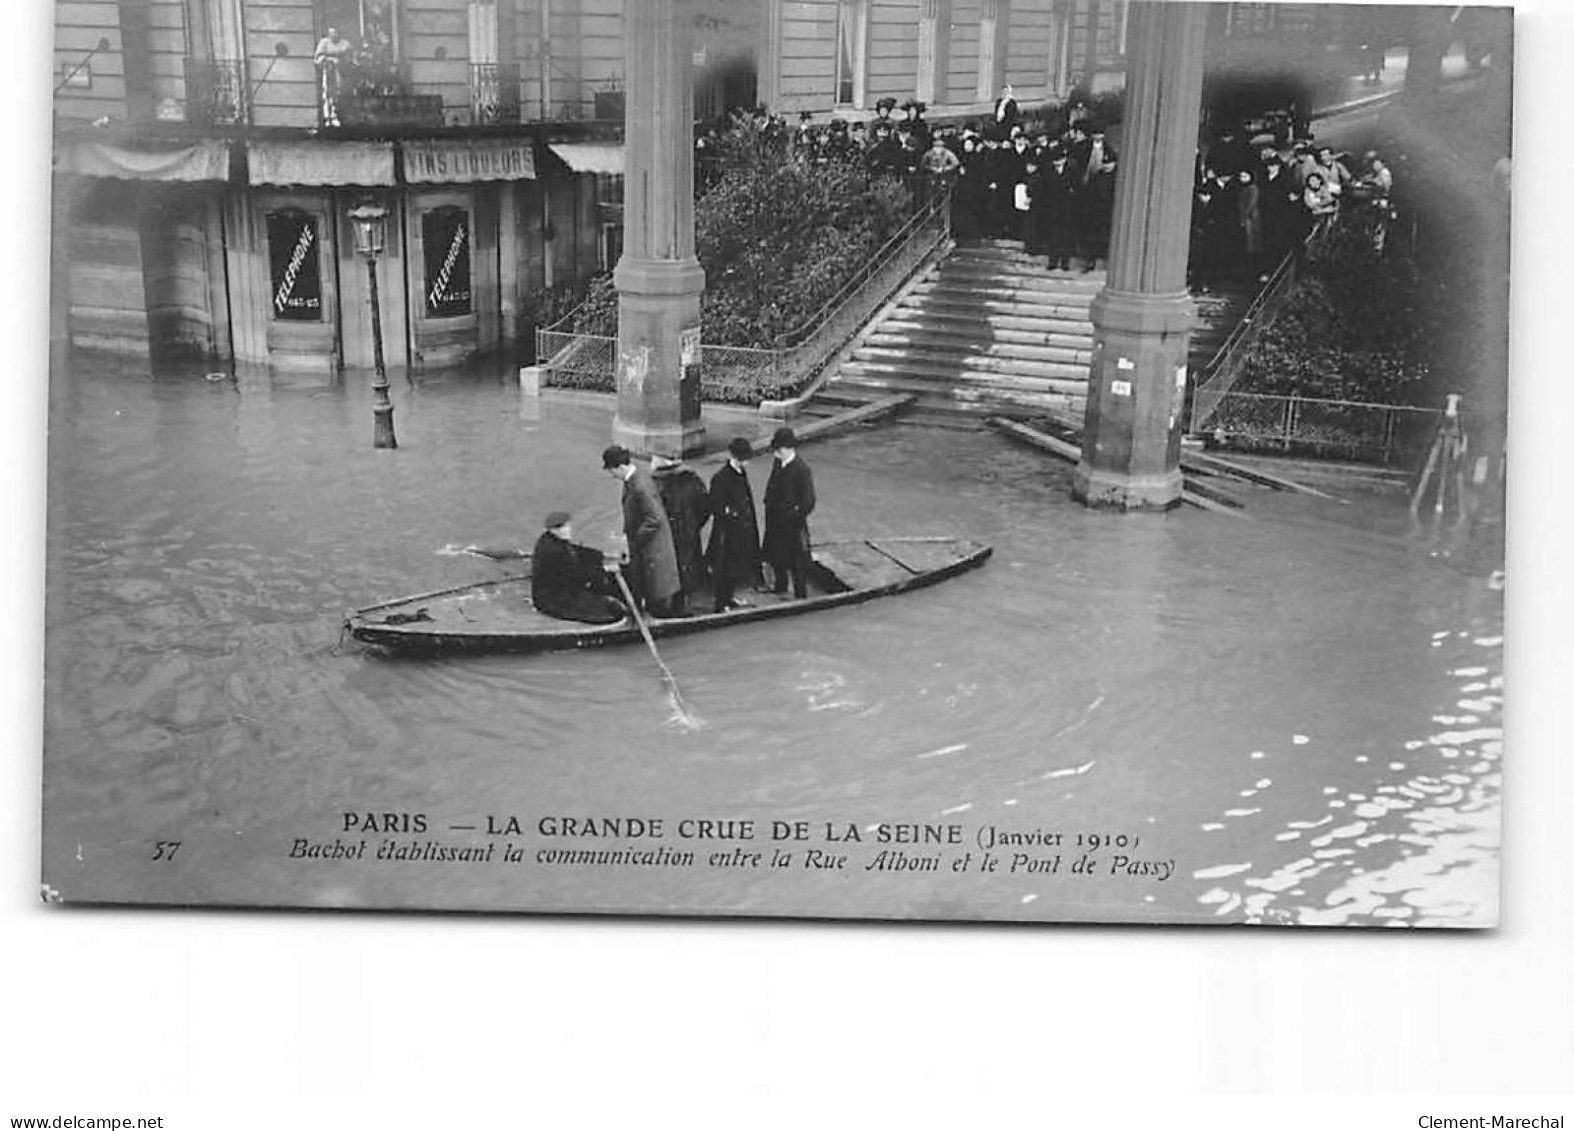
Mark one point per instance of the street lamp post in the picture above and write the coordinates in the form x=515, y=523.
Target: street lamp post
x=369, y=220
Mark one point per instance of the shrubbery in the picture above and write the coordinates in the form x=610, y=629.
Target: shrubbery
x=1357, y=327
x=777, y=240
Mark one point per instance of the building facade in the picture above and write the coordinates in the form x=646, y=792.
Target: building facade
x=208, y=151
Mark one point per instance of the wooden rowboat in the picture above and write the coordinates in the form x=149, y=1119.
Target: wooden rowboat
x=497, y=616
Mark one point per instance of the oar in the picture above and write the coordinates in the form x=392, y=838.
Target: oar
x=650, y=642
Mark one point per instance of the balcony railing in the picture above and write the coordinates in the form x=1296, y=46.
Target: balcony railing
x=216, y=92
x=354, y=92
x=494, y=93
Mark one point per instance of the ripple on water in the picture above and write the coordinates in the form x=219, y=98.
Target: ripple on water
x=1219, y=871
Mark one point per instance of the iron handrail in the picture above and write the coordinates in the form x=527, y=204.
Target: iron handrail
x=882, y=256
x=1221, y=369
x=805, y=329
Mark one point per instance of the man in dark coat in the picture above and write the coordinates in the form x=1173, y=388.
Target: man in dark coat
x=789, y=500
x=688, y=510
x=1096, y=205
x=653, y=563
x=568, y=580
x=1057, y=204
x=734, y=551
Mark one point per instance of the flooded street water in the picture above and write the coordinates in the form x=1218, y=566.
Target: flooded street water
x=1290, y=718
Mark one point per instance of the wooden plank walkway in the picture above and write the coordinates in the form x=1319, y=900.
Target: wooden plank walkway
x=1208, y=499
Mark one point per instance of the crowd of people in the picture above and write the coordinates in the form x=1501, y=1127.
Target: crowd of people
x=1253, y=203
x=1051, y=187
x=668, y=564
x=1050, y=182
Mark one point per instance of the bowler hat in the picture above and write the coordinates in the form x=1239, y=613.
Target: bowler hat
x=614, y=456
x=740, y=448
x=557, y=519
x=784, y=438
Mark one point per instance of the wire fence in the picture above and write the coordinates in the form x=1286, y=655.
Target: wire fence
x=1393, y=435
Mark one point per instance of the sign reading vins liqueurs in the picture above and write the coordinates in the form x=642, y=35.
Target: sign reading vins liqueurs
x=446, y=237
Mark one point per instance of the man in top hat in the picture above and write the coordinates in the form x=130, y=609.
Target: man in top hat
x=734, y=550
x=688, y=510
x=789, y=500
x=653, y=563
x=570, y=581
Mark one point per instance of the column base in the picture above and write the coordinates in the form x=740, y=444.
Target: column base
x=1109, y=490
x=668, y=440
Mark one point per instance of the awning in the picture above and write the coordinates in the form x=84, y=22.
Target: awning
x=321, y=163
x=590, y=156
x=185, y=161
x=450, y=162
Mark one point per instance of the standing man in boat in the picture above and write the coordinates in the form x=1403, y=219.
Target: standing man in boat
x=789, y=500
x=570, y=581
x=734, y=551
x=687, y=504
x=653, y=563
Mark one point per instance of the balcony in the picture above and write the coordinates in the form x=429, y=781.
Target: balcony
x=216, y=92
x=381, y=95
x=494, y=93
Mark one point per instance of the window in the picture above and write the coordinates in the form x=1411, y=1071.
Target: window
x=295, y=266
x=371, y=26
x=852, y=48
x=445, y=236
x=609, y=217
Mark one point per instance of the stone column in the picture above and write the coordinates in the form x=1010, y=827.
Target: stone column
x=1143, y=316
x=659, y=280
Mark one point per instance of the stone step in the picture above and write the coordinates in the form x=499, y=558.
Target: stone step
x=841, y=399
x=981, y=307
x=1036, y=275
x=952, y=347
x=979, y=400
x=1033, y=288
x=1023, y=330
x=916, y=376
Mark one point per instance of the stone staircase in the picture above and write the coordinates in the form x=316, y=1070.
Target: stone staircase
x=989, y=331
x=986, y=331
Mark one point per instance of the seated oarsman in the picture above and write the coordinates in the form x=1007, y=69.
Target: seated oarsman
x=570, y=581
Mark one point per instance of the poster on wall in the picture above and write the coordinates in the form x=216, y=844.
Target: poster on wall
x=446, y=237
x=294, y=264
x=930, y=622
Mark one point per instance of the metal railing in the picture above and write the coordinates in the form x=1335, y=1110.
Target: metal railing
x=382, y=94
x=494, y=93
x=1378, y=433
x=746, y=374
x=1225, y=366
x=215, y=92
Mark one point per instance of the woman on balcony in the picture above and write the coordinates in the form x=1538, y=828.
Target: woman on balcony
x=332, y=50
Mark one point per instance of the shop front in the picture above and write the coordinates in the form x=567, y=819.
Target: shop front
x=462, y=215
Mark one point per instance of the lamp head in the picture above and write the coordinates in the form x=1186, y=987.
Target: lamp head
x=369, y=221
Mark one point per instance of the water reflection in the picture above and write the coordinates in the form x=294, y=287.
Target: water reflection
x=1418, y=847
x=1302, y=710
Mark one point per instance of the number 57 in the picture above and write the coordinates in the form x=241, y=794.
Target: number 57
x=165, y=849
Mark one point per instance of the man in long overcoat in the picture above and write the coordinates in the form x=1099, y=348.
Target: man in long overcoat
x=687, y=504
x=1056, y=202
x=653, y=563
x=789, y=500
x=734, y=551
